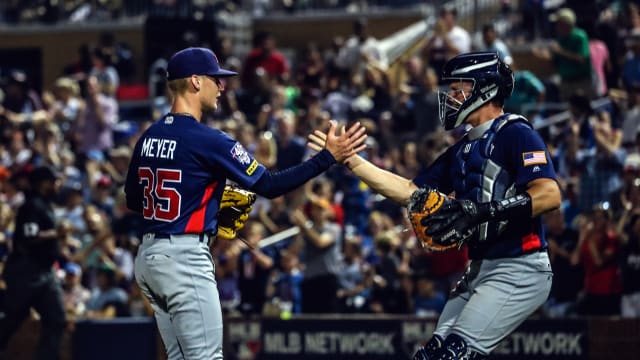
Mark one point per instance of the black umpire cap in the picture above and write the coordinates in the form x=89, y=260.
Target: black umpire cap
x=43, y=173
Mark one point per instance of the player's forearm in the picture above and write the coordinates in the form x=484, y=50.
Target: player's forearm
x=545, y=196
x=272, y=185
x=386, y=183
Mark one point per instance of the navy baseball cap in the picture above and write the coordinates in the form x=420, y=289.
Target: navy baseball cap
x=195, y=61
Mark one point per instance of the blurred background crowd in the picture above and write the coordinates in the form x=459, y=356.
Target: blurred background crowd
x=366, y=256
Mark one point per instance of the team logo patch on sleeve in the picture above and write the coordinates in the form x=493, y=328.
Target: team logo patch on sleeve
x=534, y=158
x=240, y=154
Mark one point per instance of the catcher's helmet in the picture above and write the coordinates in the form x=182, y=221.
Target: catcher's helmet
x=492, y=80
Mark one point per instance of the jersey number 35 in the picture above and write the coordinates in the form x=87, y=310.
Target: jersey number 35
x=161, y=200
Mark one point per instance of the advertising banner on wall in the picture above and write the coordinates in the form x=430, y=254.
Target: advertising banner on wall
x=392, y=338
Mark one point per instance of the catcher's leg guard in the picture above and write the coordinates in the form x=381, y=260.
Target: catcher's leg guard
x=428, y=351
x=454, y=348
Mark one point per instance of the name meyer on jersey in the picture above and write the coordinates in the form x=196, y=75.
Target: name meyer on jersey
x=158, y=148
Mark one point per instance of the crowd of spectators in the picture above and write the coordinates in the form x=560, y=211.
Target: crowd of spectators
x=355, y=251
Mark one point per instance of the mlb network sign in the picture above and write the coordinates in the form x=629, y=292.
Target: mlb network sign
x=391, y=338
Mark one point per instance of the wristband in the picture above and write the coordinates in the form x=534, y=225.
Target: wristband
x=515, y=207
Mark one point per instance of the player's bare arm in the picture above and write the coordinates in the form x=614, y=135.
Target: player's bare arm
x=386, y=183
x=545, y=196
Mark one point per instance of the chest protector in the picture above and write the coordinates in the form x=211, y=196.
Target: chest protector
x=478, y=177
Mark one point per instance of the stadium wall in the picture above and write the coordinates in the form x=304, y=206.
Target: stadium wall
x=341, y=337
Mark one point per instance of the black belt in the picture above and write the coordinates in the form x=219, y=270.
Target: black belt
x=203, y=237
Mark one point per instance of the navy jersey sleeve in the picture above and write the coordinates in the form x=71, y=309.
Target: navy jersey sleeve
x=132, y=191
x=223, y=153
x=438, y=175
x=525, y=154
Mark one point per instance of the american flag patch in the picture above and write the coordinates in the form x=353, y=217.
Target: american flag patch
x=534, y=157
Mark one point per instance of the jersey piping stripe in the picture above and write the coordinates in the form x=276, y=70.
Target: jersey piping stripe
x=531, y=242
x=196, y=221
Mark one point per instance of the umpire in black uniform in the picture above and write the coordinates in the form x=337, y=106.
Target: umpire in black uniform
x=28, y=272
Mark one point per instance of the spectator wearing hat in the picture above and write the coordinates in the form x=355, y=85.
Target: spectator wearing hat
x=30, y=281
x=570, y=54
x=101, y=195
x=75, y=295
x=21, y=103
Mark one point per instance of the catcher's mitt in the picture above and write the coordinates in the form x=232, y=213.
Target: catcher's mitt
x=235, y=206
x=424, y=204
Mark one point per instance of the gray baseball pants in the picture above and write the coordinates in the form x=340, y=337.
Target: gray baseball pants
x=176, y=274
x=494, y=297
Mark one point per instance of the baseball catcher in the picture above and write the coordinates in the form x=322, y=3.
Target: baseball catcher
x=235, y=206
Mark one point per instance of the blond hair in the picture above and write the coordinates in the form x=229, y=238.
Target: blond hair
x=178, y=86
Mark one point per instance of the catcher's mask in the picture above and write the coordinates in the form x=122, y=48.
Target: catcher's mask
x=481, y=77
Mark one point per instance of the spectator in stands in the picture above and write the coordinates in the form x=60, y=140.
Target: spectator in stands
x=600, y=60
x=428, y=299
x=101, y=195
x=528, y=92
x=629, y=108
x=68, y=105
x=69, y=243
x=284, y=289
x=354, y=278
x=104, y=72
x=79, y=67
x=600, y=167
x=107, y=299
x=291, y=148
x=254, y=267
x=491, y=42
x=359, y=50
x=93, y=131
x=266, y=152
x=567, y=276
x=631, y=66
x=598, y=249
x=630, y=264
x=387, y=294
x=264, y=57
x=138, y=305
x=75, y=295
x=226, y=260
x=21, y=103
x=447, y=40
x=570, y=55
x=322, y=255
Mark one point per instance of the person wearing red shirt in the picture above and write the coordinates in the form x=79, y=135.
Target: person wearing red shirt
x=597, y=250
x=264, y=58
